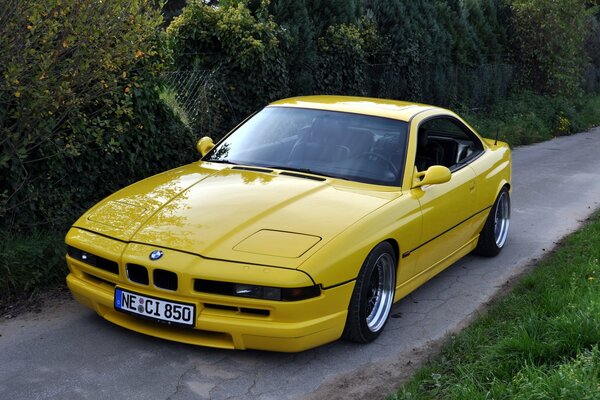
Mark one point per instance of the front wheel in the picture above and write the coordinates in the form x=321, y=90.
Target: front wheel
x=373, y=295
x=495, y=231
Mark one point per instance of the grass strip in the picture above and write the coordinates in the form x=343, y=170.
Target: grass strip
x=540, y=341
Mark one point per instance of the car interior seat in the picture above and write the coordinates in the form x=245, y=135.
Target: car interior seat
x=322, y=142
x=429, y=152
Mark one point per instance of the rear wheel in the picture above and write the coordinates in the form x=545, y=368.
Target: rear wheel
x=373, y=295
x=495, y=231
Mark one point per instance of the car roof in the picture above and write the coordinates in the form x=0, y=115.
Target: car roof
x=401, y=110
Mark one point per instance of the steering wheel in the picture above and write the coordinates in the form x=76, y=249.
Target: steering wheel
x=379, y=157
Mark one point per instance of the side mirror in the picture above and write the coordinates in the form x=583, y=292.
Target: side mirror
x=204, y=145
x=434, y=175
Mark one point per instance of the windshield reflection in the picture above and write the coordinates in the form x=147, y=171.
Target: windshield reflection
x=333, y=144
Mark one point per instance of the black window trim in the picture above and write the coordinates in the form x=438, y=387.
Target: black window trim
x=469, y=132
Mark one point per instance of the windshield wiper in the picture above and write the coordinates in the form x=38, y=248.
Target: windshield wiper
x=224, y=161
x=306, y=171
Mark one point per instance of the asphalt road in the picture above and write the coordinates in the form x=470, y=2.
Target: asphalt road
x=67, y=352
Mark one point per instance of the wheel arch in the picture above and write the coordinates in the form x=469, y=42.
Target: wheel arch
x=503, y=183
x=396, y=248
x=370, y=304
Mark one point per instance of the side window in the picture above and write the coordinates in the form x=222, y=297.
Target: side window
x=445, y=141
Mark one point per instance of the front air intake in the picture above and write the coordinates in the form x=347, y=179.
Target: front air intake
x=138, y=274
x=165, y=279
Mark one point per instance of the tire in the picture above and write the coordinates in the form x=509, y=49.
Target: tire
x=373, y=295
x=495, y=231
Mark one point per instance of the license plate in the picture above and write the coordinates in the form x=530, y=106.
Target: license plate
x=157, y=309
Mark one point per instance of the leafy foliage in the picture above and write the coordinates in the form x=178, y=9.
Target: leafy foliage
x=30, y=263
x=245, y=48
x=548, y=41
x=299, y=43
x=79, y=107
x=446, y=52
x=343, y=54
x=440, y=52
x=325, y=13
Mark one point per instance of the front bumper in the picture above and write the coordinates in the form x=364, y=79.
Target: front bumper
x=221, y=321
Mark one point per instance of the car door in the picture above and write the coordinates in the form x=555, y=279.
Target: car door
x=446, y=208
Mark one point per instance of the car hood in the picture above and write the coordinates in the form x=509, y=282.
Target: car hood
x=236, y=214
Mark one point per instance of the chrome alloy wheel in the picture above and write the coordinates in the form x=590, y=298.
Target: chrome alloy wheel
x=502, y=219
x=380, y=292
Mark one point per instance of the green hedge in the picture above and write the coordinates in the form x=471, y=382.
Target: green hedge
x=471, y=53
x=245, y=50
x=344, y=51
x=549, y=43
x=80, y=113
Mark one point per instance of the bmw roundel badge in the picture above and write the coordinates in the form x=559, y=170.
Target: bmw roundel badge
x=156, y=254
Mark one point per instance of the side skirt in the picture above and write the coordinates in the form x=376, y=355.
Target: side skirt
x=410, y=285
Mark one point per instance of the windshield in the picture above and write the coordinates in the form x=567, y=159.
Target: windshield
x=336, y=144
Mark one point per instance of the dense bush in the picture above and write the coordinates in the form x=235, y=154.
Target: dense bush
x=344, y=51
x=79, y=109
x=325, y=13
x=30, y=263
x=548, y=42
x=299, y=43
x=243, y=47
x=446, y=52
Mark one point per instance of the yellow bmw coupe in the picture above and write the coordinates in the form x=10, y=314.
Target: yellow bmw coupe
x=303, y=225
